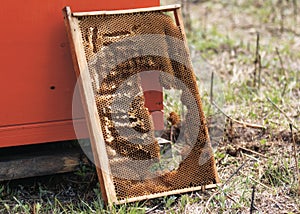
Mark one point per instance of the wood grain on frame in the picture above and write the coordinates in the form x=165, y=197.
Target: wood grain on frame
x=90, y=108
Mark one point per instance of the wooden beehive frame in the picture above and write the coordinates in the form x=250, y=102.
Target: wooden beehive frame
x=90, y=107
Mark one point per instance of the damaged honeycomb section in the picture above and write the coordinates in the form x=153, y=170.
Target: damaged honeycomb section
x=118, y=48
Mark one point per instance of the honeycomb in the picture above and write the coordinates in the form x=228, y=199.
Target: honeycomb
x=118, y=48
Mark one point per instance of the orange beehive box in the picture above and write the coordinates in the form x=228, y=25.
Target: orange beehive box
x=37, y=78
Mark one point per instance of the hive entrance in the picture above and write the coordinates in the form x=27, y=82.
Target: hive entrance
x=114, y=54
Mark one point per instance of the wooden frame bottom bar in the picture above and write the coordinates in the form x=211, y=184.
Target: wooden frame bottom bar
x=173, y=192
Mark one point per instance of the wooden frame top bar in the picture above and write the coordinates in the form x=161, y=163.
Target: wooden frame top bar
x=108, y=12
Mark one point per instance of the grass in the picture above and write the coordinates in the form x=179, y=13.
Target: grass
x=223, y=41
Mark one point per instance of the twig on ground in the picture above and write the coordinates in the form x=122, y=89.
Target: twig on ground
x=257, y=63
x=153, y=208
x=255, y=126
x=277, y=204
x=284, y=89
x=253, y=152
x=197, y=194
x=221, y=188
x=295, y=158
x=212, y=87
x=228, y=196
x=295, y=12
x=211, y=91
x=283, y=70
x=236, y=171
x=250, y=156
x=252, y=200
x=210, y=198
x=281, y=7
x=286, y=116
x=260, y=183
x=205, y=18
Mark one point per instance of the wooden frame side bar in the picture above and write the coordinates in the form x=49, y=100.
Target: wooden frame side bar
x=90, y=108
x=149, y=9
x=180, y=23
